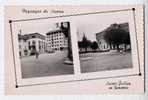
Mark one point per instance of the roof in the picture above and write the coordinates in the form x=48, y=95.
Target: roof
x=31, y=35
x=54, y=31
x=35, y=34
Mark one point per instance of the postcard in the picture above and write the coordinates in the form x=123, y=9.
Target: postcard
x=78, y=45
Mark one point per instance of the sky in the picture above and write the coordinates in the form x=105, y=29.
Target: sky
x=88, y=24
x=90, y=30
x=39, y=26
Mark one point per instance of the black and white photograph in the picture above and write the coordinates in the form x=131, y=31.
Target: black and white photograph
x=104, y=46
x=44, y=49
x=83, y=50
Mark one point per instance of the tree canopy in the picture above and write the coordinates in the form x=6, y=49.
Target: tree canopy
x=94, y=45
x=85, y=44
x=117, y=36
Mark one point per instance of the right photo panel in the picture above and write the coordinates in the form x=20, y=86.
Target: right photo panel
x=104, y=42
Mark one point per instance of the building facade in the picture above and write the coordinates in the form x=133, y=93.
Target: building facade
x=103, y=45
x=56, y=41
x=23, y=46
x=31, y=43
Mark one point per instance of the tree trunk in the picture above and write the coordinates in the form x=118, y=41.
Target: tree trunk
x=113, y=46
x=85, y=49
x=124, y=47
x=118, y=47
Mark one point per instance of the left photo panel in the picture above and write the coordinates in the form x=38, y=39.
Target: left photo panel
x=44, y=48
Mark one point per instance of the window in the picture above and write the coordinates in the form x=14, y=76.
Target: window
x=33, y=36
x=29, y=43
x=33, y=42
x=24, y=40
x=19, y=46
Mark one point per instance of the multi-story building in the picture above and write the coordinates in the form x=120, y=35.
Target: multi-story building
x=56, y=40
x=103, y=45
x=31, y=43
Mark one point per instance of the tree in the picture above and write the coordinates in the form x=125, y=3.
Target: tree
x=94, y=45
x=117, y=36
x=84, y=42
x=126, y=39
x=80, y=45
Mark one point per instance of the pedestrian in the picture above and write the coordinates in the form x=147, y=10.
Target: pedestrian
x=37, y=54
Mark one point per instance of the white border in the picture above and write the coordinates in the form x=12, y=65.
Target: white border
x=78, y=75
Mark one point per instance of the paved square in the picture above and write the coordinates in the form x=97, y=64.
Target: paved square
x=52, y=64
x=48, y=64
x=94, y=62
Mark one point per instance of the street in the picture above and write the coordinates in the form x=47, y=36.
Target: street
x=48, y=64
x=103, y=62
